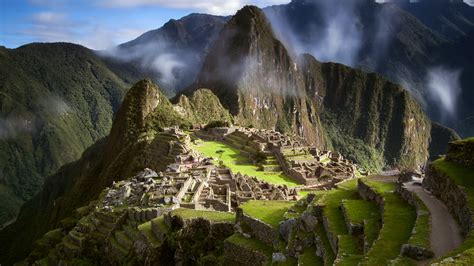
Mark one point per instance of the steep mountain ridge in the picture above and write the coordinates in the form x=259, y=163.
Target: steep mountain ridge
x=369, y=118
x=256, y=78
x=56, y=100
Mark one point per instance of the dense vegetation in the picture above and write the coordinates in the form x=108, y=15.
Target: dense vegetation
x=56, y=100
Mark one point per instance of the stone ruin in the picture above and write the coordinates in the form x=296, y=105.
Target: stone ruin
x=192, y=182
x=304, y=163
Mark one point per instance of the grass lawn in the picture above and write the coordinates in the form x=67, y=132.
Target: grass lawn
x=215, y=216
x=399, y=218
x=234, y=160
x=365, y=213
x=421, y=235
x=309, y=258
x=359, y=210
x=250, y=243
x=348, y=245
x=271, y=212
x=329, y=256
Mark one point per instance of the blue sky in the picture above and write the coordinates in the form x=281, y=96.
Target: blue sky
x=99, y=24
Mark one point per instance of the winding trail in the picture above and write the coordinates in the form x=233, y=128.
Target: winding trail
x=445, y=231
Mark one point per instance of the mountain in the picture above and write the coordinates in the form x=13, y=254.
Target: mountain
x=170, y=55
x=399, y=40
x=451, y=19
x=56, y=100
x=134, y=143
x=262, y=84
x=265, y=87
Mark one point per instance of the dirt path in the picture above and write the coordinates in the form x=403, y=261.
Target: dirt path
x=445, y=231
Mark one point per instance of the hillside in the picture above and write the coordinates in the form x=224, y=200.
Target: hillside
x=257, y=94
x=56, y=100
x=135, y=141
x=398, y=39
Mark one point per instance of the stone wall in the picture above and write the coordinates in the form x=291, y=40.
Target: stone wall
x=238, y=255
x=452, y=195
x=409, y=250
x=461, y=152
x=260, y=230
x=354, y=229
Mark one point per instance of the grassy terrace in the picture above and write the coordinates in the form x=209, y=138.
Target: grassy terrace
x=329, y=255
x=309, y=258
x=464, y=177
x=250, y=243
x=399, y=218
x=365, y=213
x=215, y=216
x=422, y=230
x=270, y=212
x=237, y=163
x=349, y=248
x=359, y=210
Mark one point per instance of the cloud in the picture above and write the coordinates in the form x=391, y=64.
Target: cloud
x=332, y=35
x=12, y=126
x=444, y=88
x=52, y=26
x=215, y=7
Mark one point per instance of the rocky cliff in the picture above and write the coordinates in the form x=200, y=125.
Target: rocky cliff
x=257, y=80
x=369, y=117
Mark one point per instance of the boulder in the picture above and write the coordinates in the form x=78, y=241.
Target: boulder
x=286, y=227
x=309, y=222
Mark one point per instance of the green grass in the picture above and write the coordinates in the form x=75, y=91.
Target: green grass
x=233, y=160
x=250, y=243
x=399, y=218
x=348, y=245
x=146, y=230
x=359, y=210
x=270, y=212
x=422, y=229
x=329, y=255
x=461, y=175
x=332, y=201
x=209, y=215
x=309, y=258
x=371, y=230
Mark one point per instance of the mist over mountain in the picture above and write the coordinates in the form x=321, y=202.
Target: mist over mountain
x=377, y=83
x=399, y=40
x=171, y=55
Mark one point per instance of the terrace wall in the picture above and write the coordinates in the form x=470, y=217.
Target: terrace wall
x=452, y=195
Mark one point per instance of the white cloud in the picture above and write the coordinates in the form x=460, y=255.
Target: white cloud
x=216, y=7
x=58, y=27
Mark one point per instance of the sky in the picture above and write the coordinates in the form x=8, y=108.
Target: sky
x=101, y=24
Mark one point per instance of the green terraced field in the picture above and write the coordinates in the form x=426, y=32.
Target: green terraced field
x=270, y=212
x=234, y=160
x=399, y=219
x=209, y=215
